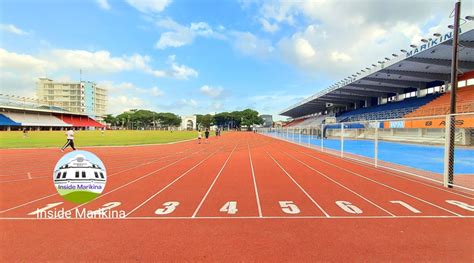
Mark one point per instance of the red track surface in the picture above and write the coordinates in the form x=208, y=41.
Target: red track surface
x=255, y=172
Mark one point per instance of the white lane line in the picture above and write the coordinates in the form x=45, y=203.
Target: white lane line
x=119, y=172
x=213, y=182
x=364, y=164
x=255, y=183
x=170, y=184
x=44, y=197
x=10, y=181
x=299, y=186
x=382, y=184
x=133, y=181
x=244, y=218
x=369, y=165
x=30, y=202
x=341, y=185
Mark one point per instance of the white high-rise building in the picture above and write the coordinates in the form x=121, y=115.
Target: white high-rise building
x=81, y=97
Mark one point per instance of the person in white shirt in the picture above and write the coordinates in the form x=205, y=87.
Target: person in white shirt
x=70, y=140
x=199, y=136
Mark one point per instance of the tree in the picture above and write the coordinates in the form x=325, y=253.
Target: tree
x=250, y=117
x=109, y=119
x=169, y=119
x=204, y=121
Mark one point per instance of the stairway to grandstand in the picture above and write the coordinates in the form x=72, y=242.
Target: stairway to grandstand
x=440, y=105
x=392, y=110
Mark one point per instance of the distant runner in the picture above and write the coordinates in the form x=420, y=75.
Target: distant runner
x=199, y=136
x=70, y=140
x=206, y=133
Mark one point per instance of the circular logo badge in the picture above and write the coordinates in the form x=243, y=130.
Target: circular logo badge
x=80, y=176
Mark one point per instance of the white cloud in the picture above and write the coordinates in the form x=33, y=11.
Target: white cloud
x=183, y=35
x=121, y=103
x=269, y=27
x=180, y=71
x=156, y=92
x=189, y=103
x=104, y=4
x=12, y=29
x=249, y=44
x=15, y=62
x=127, y=88
x=101, y=60
x=125, y=96
x=213, y=92
x=355, y=35
x=149, y=6
x=19, y=72
x=340, y=57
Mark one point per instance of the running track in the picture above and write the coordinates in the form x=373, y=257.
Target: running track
x=287, y=203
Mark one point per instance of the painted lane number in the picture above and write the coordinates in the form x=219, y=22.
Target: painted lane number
x=289, y=207
x=230, y=208
x=106, y=207
x=407, y=206
x=349, y=207
x=461, y=204
x=168, y=208
x=47, y=207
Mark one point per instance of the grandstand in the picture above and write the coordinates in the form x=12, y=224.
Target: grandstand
x=19, y=113
x=440, y=105
x=415, y=73
x=411, y=84
x=405, y=93
x=391, y=110
x=35, y=119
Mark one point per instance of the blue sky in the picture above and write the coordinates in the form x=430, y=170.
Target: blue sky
x=205, y=56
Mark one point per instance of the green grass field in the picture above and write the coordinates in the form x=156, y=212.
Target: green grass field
x=37, y=139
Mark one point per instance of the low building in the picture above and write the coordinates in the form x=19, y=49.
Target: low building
x=267, y=120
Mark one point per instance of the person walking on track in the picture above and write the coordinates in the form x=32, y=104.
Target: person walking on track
x=70, y=140
x=199, y=136
x=206, y=133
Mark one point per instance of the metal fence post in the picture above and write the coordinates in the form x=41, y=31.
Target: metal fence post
x=342, y=139
x=376, y=144
x=309, y=137
x=322, y=137
x=447, y=128
x=299, y=136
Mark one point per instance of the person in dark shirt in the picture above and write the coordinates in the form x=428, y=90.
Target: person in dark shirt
x=206, y=133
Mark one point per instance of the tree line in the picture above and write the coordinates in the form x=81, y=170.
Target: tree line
x=230, y=120
x=146, y=119
x=138, y=119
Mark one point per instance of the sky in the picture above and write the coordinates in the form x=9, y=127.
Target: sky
x=206, y=56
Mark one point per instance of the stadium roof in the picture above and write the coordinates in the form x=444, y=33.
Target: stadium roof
x=418, y=67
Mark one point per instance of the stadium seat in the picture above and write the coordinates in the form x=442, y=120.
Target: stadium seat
x=5, y=121
x=80, y=121
x=35, y=119
x=391, y=110
x=441, y=105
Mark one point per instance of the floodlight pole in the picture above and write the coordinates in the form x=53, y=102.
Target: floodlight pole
x=454, y=85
